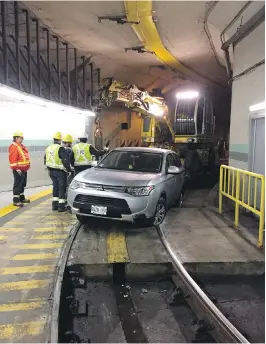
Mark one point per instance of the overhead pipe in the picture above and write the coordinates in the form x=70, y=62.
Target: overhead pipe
x=16, y=14
x=246, y=29
x=234, y=20
x=4, y=41
x=28, y=33
x=243, y=31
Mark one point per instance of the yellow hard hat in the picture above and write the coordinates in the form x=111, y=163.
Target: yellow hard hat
x=57, y=136
x=68, y=138
x=18, y=134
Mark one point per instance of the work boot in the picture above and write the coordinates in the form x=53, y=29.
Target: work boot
x=16, y=202
x=54, y=205
x=61, y=207
x=23, y=199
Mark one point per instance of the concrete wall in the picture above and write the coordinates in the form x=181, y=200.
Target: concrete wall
x=246, y=91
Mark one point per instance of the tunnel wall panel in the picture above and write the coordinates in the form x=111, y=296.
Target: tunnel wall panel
x=247, y=90
x=38, y=125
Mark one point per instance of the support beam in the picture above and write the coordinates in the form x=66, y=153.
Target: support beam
x=38, y=53
x=67, y=73
x=48, y=60
x=28, y=32
x=91, y=89
x=4, y=41
x=16, y=15
x=58, y=68
x=84, y=80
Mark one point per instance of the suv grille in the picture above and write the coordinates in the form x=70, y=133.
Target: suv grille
x=114, y=205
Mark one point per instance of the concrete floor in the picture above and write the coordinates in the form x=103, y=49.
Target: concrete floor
x=31, y=243
x=6, y=197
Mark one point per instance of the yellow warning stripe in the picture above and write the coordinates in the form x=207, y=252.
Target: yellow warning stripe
x=50, y=237
x=21, y=306
x=3, y=237
x=26, y=269
x=117, y=247
x=10, y=208
x=22, y=285
x=11, y=229
x=52, y=229
x=37, y=256
x=18, y=331
x=147, y=33
x=39, y=246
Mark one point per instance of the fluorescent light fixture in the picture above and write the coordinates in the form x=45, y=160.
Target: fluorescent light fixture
x=257, y=107
x=16, y=95
x=187, y=95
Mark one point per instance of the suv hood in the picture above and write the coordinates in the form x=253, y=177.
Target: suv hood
x=115, y=177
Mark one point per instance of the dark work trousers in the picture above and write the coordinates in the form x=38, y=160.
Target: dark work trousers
x=59, y=179
x=20, y=182
x=79, y=169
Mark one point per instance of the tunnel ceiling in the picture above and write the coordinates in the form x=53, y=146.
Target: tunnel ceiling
x=189, y=30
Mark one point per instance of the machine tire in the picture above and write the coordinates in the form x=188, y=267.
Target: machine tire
x=82, y=219
x=161, y=204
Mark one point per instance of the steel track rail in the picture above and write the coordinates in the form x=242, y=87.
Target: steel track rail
x=53, y=319
x=220, y=327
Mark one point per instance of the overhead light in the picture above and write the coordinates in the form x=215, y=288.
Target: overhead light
x=257, y=107
x=16, y=95
x=187, y=95
x=156, y=110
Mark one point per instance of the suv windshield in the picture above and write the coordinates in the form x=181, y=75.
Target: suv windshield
x=132, y=161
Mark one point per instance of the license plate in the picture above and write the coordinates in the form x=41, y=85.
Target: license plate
x=97, y=210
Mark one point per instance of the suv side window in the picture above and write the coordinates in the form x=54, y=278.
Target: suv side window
x=176, y=161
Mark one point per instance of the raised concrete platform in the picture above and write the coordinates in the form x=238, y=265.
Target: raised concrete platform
x=31, y=239
x=206, y=244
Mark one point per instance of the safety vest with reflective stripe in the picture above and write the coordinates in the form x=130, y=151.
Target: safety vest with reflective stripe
x=52, y=157
x=82, y=154
x=19, y=157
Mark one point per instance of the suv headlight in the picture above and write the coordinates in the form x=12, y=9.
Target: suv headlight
x=75, y=185
x=140, y=191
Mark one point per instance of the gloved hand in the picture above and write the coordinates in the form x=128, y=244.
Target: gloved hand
x=106, y=149
x=19, y=172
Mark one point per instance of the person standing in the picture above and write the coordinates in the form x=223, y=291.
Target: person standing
x=67, y=144
x=57, y=161
x=81, y=155
x=19, y=161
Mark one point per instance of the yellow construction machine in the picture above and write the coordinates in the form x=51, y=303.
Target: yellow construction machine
x=189, y=130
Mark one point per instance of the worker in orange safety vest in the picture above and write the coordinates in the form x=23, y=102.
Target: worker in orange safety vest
x=19, y=161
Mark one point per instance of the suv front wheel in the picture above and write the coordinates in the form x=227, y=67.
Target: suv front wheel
x=160, y=212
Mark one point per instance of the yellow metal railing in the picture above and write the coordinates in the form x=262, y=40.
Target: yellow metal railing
x=246, y=189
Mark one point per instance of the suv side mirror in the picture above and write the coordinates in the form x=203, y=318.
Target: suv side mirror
x=175, y=170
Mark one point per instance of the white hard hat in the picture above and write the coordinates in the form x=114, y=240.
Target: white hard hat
x=83, y=136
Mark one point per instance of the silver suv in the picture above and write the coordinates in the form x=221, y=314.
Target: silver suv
x=130, y=184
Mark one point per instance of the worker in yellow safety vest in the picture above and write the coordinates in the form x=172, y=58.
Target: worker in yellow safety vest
x=57, y=161
x=82, y=153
